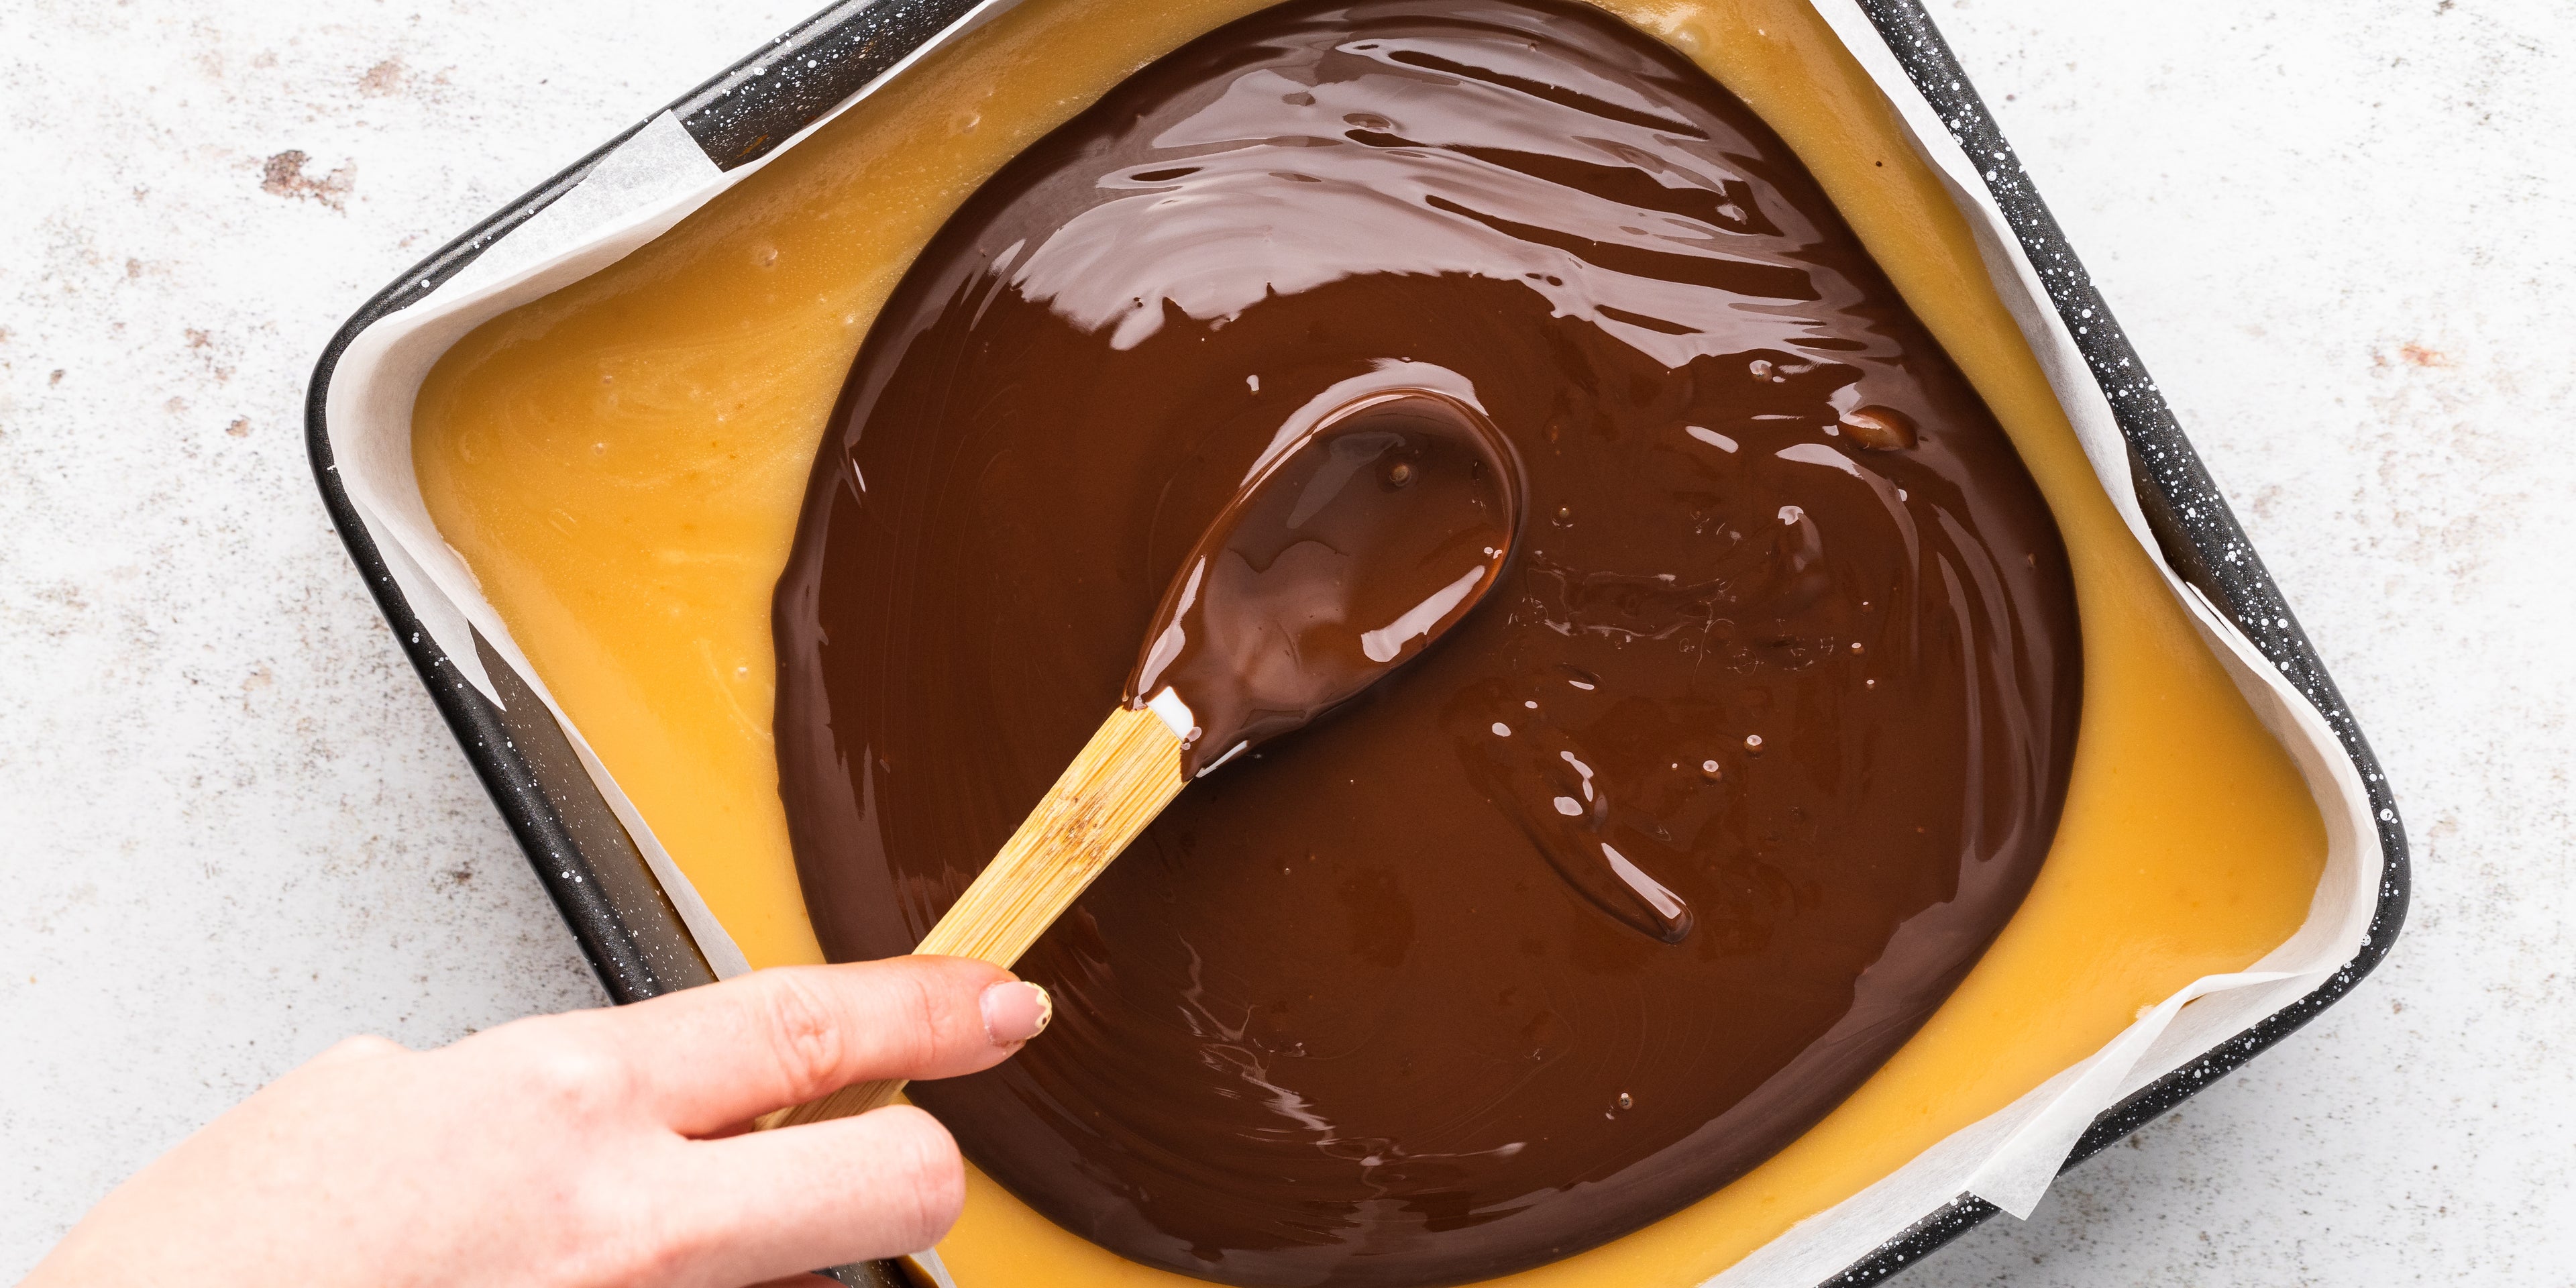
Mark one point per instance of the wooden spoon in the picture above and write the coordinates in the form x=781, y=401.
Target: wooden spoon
x=1351, y=547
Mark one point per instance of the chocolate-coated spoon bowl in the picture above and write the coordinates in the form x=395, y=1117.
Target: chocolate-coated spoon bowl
x=1351, y=548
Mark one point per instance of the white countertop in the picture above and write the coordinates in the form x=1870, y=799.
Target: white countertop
x=232, y=828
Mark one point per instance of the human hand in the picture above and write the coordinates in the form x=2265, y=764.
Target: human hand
x=600, y=1147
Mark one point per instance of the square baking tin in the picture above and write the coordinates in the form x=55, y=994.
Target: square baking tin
x=635, y=939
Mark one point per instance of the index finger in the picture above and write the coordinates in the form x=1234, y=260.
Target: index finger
x=711, y=1057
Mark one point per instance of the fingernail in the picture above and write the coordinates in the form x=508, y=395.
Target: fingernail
x=1016, y=1012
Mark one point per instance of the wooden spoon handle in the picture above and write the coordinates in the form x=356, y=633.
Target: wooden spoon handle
x=1124, y=777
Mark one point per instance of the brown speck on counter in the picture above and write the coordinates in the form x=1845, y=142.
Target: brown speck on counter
x=283, y=175
x=384, y=78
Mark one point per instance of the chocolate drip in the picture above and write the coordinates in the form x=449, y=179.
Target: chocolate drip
x=1754, y=745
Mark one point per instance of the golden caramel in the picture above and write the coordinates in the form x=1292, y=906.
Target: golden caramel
x=621, y=463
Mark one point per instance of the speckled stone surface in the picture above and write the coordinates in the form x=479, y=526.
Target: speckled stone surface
x=232, y=829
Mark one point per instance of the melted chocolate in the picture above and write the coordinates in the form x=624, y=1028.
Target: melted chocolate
x=1354, y=544
x=1755, y=744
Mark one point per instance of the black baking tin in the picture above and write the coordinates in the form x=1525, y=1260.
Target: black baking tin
x=627, y=928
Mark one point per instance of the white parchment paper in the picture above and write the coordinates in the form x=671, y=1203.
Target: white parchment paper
x=659, y=176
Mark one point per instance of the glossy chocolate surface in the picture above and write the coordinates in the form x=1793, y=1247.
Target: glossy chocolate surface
x=1759, y=738
x=1363, y=533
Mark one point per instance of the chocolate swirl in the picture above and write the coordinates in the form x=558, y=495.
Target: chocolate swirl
x=1754, y=746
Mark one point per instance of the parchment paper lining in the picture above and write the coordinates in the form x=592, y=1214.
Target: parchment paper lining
x=659, y=176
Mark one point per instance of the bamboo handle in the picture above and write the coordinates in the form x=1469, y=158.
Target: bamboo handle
x=1124, y=777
